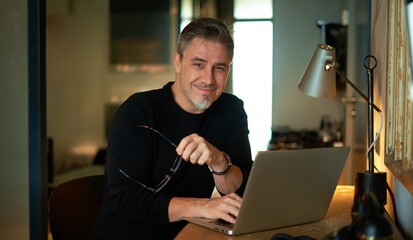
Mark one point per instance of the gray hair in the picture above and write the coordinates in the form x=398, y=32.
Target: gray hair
x=210, y=29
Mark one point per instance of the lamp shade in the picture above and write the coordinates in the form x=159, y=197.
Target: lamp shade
x=319, y=78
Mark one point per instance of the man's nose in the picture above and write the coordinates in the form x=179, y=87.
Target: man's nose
x=209, y=76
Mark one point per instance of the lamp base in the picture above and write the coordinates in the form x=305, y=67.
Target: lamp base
x=371, y=182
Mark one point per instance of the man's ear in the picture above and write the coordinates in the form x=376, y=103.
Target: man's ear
x=177, y=62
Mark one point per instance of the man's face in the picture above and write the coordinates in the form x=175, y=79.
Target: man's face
x=201, y=74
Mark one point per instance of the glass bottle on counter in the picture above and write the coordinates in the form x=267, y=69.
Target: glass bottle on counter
x=326, y=133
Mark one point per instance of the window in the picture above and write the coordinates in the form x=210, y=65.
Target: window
x=252, y=67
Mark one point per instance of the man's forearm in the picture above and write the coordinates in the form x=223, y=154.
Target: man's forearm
x=229, y=182
x=185, y=207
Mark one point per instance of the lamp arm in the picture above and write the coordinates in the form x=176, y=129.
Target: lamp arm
x=358, y=90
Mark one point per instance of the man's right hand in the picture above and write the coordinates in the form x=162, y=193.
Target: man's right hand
x=225, y=208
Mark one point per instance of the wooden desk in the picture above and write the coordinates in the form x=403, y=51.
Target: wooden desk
x=338, y=216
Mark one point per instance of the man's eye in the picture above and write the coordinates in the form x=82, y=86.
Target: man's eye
x=197, y=65
x=220, y=68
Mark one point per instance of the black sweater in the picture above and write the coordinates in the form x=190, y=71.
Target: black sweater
x=130, y=211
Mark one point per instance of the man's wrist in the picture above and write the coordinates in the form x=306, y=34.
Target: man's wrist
x=227, y=168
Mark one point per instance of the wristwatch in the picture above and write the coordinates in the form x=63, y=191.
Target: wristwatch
x=229, y=164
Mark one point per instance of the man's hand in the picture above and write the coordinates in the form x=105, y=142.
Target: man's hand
x=226, y=207
x=197, y=150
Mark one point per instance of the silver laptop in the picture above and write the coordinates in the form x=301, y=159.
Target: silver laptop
x=285, y=188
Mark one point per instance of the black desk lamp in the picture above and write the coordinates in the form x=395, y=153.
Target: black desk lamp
x=319, y=80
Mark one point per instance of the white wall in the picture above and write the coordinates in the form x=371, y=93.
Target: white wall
x=296, y=38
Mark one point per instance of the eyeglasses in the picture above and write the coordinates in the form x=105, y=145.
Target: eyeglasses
x=167, y=177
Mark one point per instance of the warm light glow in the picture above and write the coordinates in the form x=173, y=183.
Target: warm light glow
x=84, y=150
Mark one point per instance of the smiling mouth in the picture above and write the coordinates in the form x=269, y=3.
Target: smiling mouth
x=205, y=87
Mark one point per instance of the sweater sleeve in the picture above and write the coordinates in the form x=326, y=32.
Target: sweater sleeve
x=130, y=150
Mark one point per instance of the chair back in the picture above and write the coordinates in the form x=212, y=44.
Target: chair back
x=74, y=207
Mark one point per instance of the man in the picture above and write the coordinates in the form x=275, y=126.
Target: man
x=151, y=183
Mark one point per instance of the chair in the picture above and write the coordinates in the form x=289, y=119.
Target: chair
x=74, y=207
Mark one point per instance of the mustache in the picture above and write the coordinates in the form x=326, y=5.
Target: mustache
x=205, y=86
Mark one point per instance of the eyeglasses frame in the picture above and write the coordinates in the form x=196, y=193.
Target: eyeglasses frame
x=167, y=178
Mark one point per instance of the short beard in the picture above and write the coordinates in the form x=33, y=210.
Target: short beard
x=202, y=105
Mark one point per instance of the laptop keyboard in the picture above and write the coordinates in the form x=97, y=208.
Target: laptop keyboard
x=224, y=223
